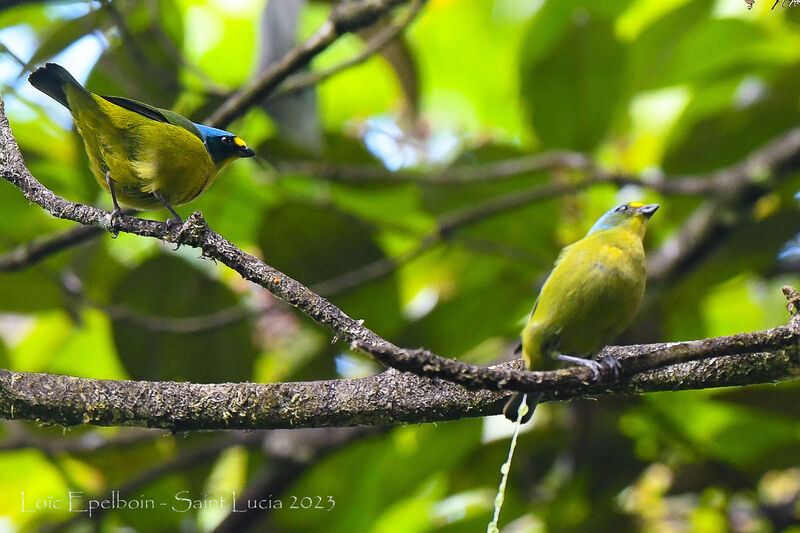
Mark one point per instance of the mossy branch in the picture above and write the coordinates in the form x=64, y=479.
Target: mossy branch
x=392, y=397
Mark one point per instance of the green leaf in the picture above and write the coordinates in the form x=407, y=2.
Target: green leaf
x=4, y=360
x=751, y=248
x=58, y=345
x=698, y=57
x=466, y=53
x=653, y=49
x=711, y=429
x=32, y=475
x=365, y=482
x=478, y=308
x=717, y=134
x=28, y=291
x=167, y=286
x=314, y=244
x=573, y=92
x=510, y=228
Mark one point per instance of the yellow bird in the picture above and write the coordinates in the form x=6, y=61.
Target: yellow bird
x=590, y=297
x=144, y=156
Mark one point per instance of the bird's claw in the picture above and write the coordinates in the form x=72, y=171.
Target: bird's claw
x=115, y=213
x=606, y=368
x=610, y=367
x=593, y=366
x=173, y=223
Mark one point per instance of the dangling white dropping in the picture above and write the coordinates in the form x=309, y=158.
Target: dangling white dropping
x=506, y=468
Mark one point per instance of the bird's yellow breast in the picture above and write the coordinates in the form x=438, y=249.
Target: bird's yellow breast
x=143, y=155
x=593, y=292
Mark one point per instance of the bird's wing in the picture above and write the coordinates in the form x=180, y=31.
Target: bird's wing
x=535, y=304
x=137, y=107
x=155, y=113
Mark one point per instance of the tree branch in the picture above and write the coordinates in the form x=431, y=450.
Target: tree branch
x=300, y=81
x=500, y=204
x=736, y=189
x=32, y=252
x=69, y=401
x=223, y=318
x=345, y=17
x=759, y=169
x=497, y=171
x=389, y=398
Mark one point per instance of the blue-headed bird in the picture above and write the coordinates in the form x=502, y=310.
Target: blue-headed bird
x=144, y=156
x=590, y=297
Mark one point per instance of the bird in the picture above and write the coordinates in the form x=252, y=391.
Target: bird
x=144, y=156
x=593, y=292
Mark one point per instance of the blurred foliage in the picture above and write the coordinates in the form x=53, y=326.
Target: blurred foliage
x=674, y=87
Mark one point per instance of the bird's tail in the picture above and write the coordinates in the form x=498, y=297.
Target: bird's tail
x=512, y=406
x=51, y=80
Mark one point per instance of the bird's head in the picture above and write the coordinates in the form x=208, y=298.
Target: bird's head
x=223, y=146
x=632, y=216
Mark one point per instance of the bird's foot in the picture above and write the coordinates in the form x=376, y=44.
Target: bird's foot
x=610, y=367
x=594, y=366
x=607, y=368
x=175, y=223
x=172, y=223
x=115, y=213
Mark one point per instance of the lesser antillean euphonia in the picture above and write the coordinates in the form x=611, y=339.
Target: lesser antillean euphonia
x=590, y=297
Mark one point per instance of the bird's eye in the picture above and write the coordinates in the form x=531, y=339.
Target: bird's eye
x=623, y=207
x=227, y=139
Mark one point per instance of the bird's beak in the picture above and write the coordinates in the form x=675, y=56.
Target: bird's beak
x=244, y=151
x=649, y=209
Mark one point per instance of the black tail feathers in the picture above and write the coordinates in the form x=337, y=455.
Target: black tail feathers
x=50, y=79
x=512, y=406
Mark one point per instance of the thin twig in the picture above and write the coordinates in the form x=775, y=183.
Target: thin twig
x=19, y=438
x=495, y=171
x=728, y=186
x=737, y=188
x=444, y=230
x=345, y=17
x=131, y=45
x=498, y=171
x=185, y=325
x=300, y=81
x=210, y=86
x=73, y=287
x=32, y=252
